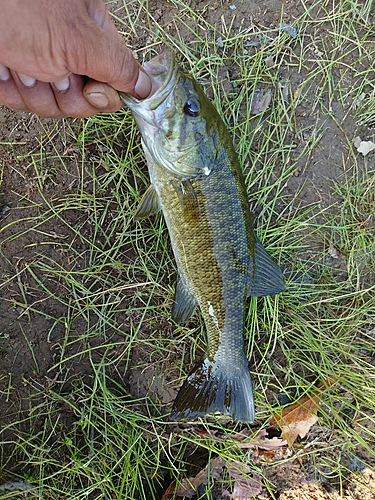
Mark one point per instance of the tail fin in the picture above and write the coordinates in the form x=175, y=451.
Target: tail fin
x=214, y=387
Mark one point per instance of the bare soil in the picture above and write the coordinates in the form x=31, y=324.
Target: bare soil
x=30, y=344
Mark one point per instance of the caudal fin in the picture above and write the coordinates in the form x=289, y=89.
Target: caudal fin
x=213, y=387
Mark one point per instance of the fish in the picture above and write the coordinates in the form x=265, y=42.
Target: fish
x=198, y=184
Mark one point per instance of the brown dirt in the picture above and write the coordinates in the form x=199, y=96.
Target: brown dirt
x=23, y=332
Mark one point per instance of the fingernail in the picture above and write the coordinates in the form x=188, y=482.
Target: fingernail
x=62, y=85
x=26, y=80
x=4, y=73
x=143, y=86
x=97, y=99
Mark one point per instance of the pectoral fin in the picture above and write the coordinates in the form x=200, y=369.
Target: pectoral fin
x=187, y=195
x=265, y=277
x=185, y=303
x=149, y=204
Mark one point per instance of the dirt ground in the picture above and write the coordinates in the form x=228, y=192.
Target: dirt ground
x=30, y=343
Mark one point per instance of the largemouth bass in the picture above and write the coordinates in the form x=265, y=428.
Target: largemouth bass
x=197, y=182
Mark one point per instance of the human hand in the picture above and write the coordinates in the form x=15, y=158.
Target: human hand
x=64, y=58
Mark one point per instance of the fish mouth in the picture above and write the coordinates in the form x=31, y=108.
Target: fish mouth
x=161, y=70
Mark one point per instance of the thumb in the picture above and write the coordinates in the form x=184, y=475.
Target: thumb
x=103, y=56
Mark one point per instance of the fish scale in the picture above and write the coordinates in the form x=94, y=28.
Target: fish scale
x=197, y=182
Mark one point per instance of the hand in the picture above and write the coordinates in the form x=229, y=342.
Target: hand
x=64, y=58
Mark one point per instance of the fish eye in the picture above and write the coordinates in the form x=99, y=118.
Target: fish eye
x=191, y=108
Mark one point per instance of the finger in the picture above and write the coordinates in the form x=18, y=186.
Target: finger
x=4, y=73
x=75, y=100
x=9, y=94
x=73, y=97
x=98, y=11
x=111, y=61
x=143, y=84
x=103, y=96
x=38, y=96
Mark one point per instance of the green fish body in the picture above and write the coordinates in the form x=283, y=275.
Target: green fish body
x=197, y=182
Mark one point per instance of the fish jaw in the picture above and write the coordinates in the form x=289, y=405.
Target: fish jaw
x=149, y=113
x=162, y=71
x=174, y=138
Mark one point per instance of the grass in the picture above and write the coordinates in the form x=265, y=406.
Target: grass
x=105, y=284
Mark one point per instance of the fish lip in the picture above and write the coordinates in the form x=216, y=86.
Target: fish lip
x=162, y=70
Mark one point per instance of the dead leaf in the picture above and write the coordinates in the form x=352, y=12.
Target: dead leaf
x=188, y=487
x=244, y=487
x=298, y=418
x=262, y=447
x=247, y=482
x=258, y=441
x=245, y=439
x=333, y=252
x=272, y=456
x=260, y=101
x=170, y=492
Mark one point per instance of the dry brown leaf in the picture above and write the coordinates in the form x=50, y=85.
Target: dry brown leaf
x=170, y=492
x=272, y=456
x=298, y=418
x=188, y=487
x=244, y=487
x=247, y=482
x=260, y=101
x=245, y=439
x=258, y=441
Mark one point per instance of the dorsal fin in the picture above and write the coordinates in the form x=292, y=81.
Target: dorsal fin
x=265, y=276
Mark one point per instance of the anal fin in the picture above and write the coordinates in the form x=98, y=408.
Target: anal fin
x=185, y=303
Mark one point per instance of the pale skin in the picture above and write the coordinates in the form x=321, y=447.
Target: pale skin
x=63, y=58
